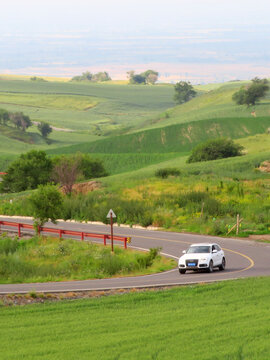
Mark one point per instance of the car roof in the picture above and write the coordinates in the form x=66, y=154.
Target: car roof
x=204, y=244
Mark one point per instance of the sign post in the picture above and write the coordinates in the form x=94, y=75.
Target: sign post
x=110, y=216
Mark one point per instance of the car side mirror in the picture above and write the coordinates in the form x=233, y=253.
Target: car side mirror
x=214, y=251
x=184, y=252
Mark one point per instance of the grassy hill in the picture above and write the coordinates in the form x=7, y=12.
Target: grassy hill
x=104, y=108
x=211, y=104
x=90, y=111
x=174, y=138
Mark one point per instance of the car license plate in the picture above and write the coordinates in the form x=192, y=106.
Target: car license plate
x=191, y=264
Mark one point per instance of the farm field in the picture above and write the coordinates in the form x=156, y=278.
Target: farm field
x=116, y=106
x=226, y=320
x=173, y=138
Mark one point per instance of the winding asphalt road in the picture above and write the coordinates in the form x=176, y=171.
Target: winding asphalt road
x=244, y=259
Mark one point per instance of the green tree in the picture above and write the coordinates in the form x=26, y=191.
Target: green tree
x=150, y=76
x=85, y=76
x=253, y=93
x=137, y=79
x=20, y=120
x=27, y=172
x=101, y=76
x=147, y=77
x=89, y=167
x=4, y=116
x=184, y=92
x=215, y=149
x=45, y=129
x=47, y=204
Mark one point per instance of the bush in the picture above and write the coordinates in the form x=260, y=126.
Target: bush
x=215, y=149
x=27, y=172
x=8, y=245
x=164, y=173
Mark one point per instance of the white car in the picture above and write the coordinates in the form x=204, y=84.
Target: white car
x=202, y=256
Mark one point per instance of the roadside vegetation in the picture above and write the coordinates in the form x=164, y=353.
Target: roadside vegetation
x=147, y=325
x=42, y=259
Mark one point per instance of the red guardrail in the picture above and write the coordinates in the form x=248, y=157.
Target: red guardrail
x=61, y=232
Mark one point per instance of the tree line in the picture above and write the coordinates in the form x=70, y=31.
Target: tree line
x=35, y=168
x=247, y=95
x=22, y=122
x=88, y=76
x=148, y=77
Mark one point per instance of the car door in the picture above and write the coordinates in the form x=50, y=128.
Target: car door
x=220, y=254
x=215, y=256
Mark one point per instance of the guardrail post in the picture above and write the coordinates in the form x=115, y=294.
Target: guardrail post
x=125, y=242
x=82, y=236
x=0, y=227
x=104, y=239
x=60, y=234
x=19, y=230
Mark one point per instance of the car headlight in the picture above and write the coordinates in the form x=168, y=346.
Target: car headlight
x=204, y=259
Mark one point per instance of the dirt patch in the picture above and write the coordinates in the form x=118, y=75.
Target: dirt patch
x=265, y=166
x=34, y=298
x=260, y=237
x=140, y=139
x=85, y=187
x=163, y=137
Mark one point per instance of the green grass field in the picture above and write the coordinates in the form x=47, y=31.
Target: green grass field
x=225, y=321
x=117, y=106
x=49, y=259
x=174, y=138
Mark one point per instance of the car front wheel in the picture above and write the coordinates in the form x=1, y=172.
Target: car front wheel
x=210, y=267
x=182, y=271
x=223, y=265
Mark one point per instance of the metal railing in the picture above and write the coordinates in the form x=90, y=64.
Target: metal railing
x=60, y=232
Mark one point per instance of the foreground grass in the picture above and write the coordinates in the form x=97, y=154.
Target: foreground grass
x=229, y=320
x=50, y=259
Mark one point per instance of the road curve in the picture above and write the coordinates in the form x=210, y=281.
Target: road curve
x=244, y=259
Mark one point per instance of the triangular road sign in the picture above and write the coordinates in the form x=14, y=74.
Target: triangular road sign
x=111, y=213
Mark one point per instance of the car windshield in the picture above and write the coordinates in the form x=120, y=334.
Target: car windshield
x=198, y=250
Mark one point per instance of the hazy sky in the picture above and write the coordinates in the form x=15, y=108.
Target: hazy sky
x=62, y=37
x=126, y=15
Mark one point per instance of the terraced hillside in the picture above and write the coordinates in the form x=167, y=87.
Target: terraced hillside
x=174, y=138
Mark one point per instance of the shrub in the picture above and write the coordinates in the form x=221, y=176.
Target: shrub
x=165, y=172
x=8, y=245
x=27, y=172
x=215, y=149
